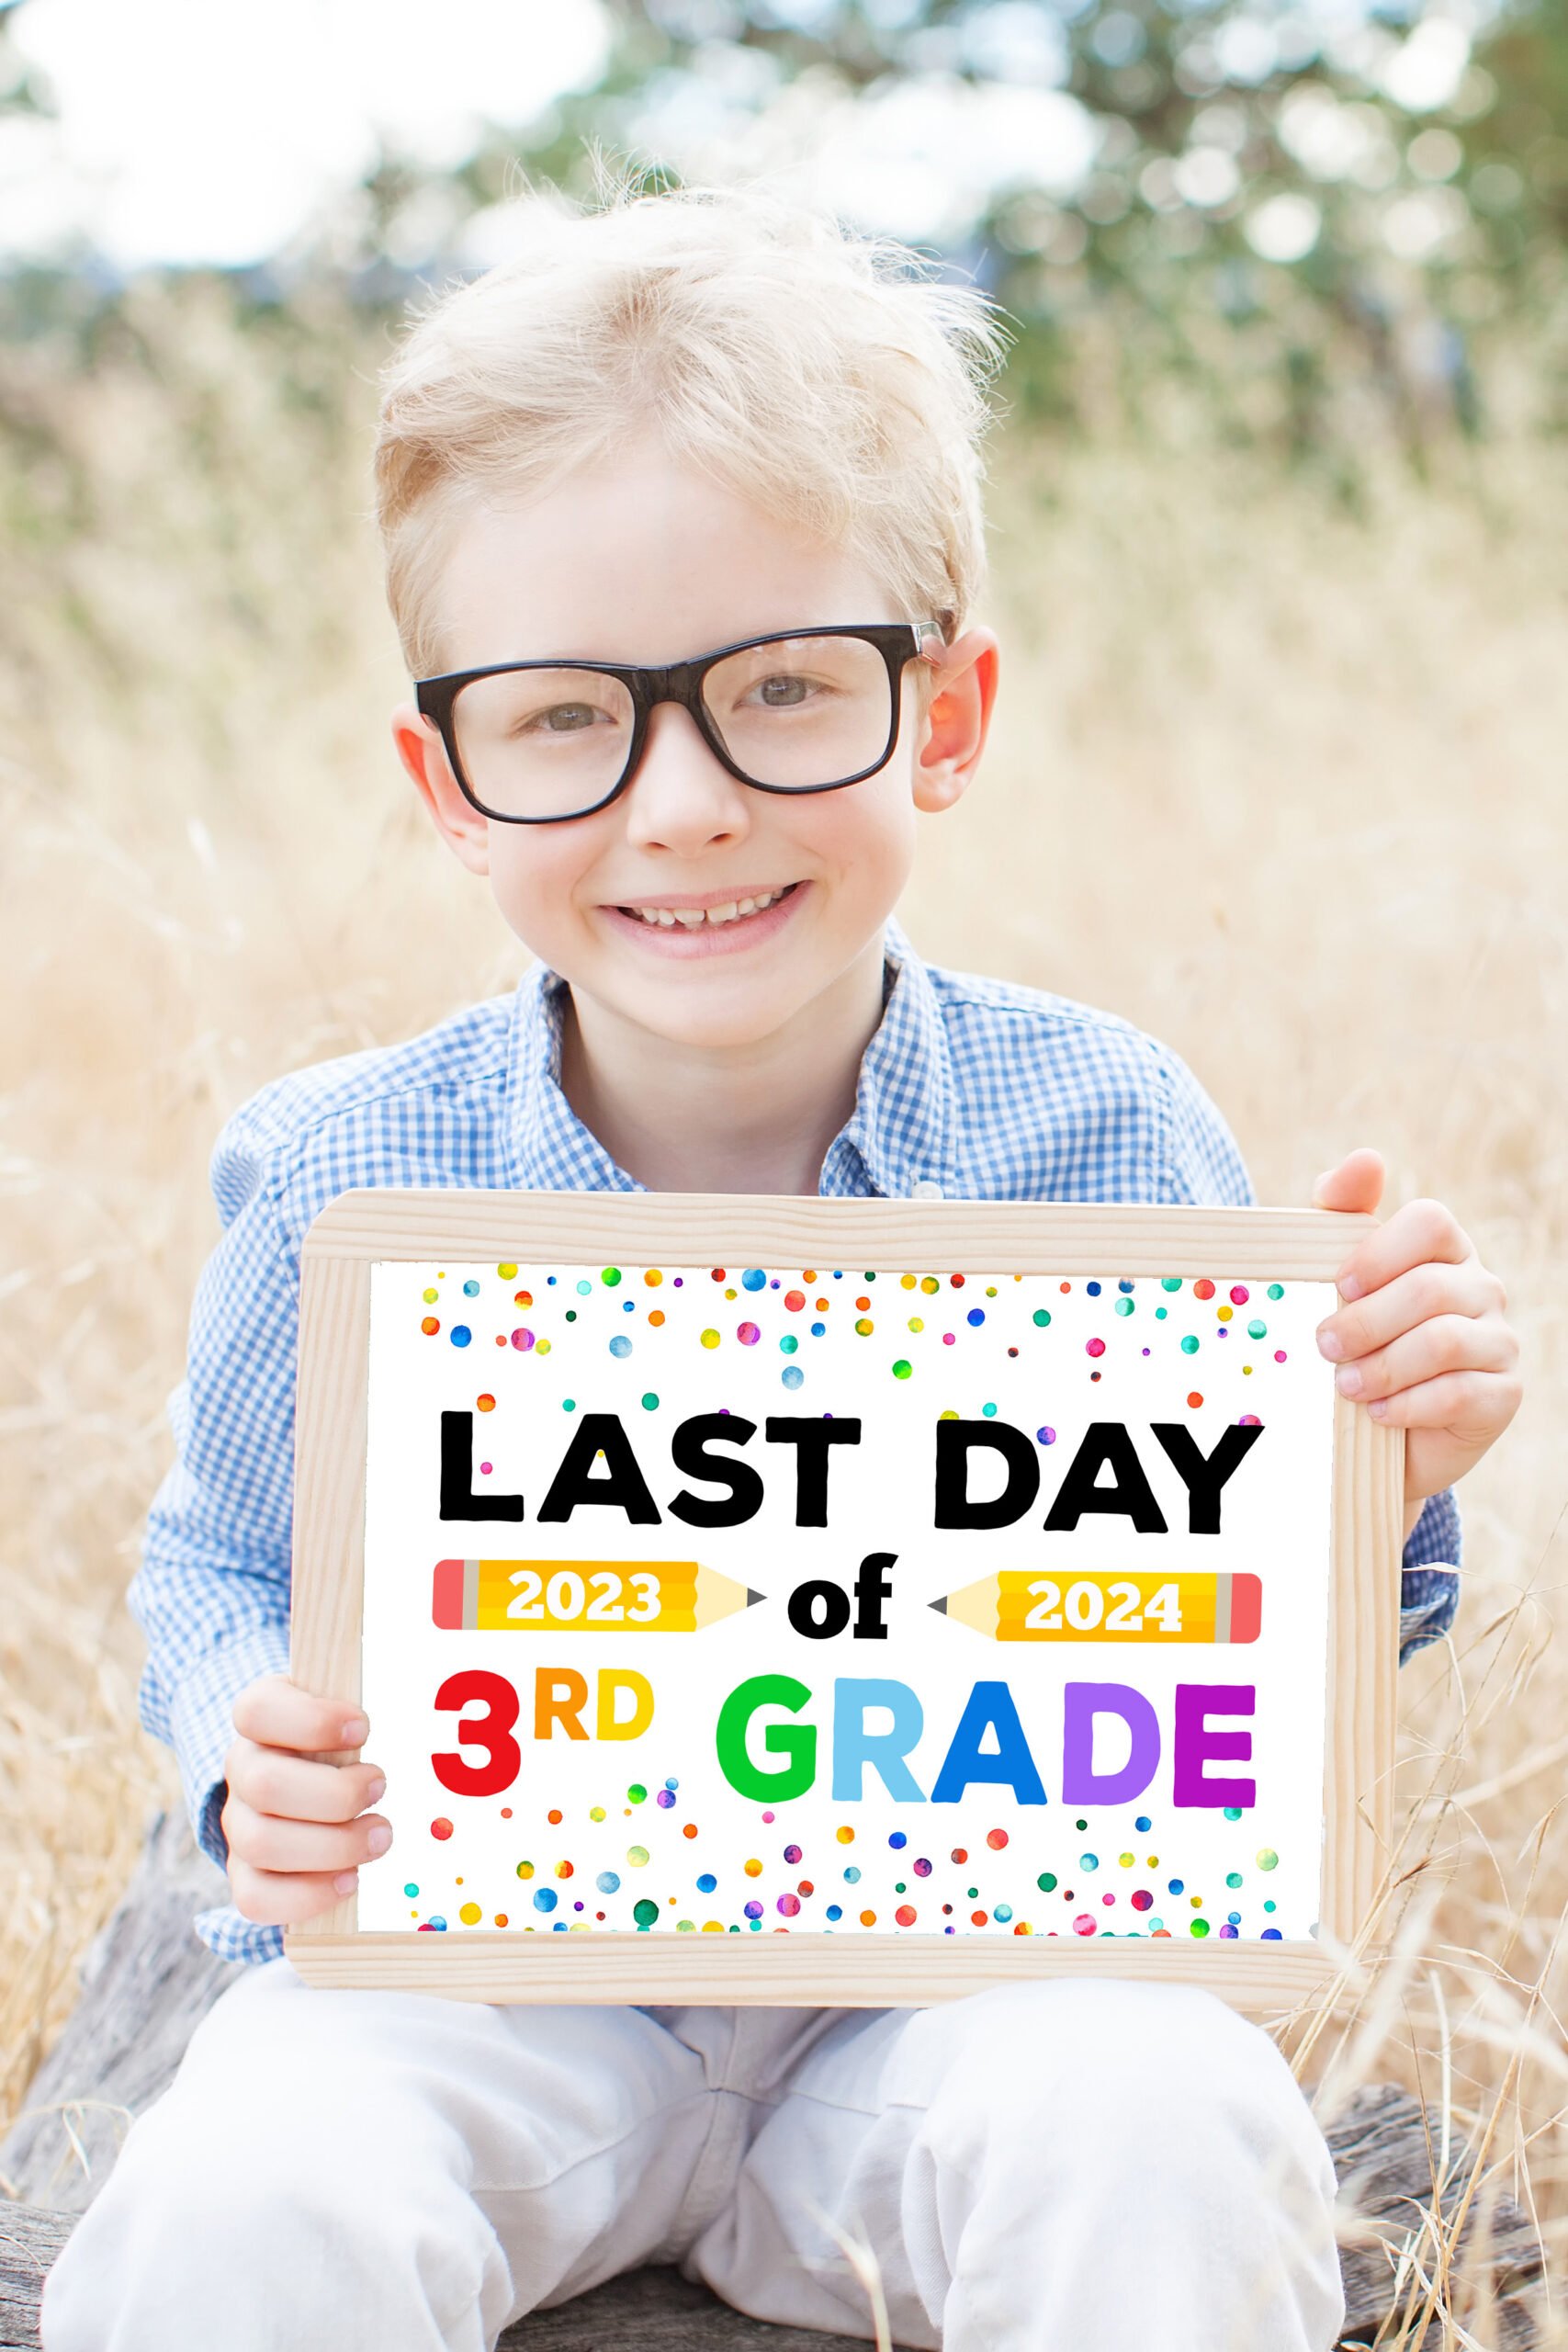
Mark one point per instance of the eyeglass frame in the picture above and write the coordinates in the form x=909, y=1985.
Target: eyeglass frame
x=898, y=642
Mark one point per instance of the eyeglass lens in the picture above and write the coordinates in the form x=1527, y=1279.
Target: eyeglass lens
x=796, y=713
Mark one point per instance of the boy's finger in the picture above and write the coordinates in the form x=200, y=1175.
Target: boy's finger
x=1419, y=1231
x=277, y=1713
x=1355, y=1185
x=1471, y=1407
x=1444, y=1343
x=269, y=1842
x=1409, y=1299
x=278, y=1899
x=269, y=1779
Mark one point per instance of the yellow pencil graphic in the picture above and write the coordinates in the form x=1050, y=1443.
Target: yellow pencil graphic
x=583, y=1595
x=1021, y=1605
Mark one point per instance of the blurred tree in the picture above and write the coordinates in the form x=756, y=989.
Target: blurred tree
x=1285, y=202
x=19, y=93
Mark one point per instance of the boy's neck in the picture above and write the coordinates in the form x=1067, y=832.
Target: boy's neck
x=755, y=1118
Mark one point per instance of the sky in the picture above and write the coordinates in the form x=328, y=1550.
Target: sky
x=190, y=131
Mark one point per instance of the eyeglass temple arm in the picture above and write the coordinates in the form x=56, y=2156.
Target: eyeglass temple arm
x=925, y=633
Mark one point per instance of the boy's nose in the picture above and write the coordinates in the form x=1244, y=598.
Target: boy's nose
x=679, y=796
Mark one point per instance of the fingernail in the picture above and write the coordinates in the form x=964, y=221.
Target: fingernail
x=1378, y=1409
x=375, y=1792
x=347, y=1880
x=1348, y=1381
x=1348, y=1287
x=380, y=1839
x=1331, y=1345
x=355, y=1730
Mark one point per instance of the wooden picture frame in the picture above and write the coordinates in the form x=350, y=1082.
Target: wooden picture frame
x=1119, y=1245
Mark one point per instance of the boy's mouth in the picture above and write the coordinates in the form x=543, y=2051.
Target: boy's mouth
x=690, y=915
x=698, y=923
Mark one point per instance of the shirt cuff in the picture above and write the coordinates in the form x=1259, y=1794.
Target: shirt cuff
x=1428, y=1585
x=228, y=1934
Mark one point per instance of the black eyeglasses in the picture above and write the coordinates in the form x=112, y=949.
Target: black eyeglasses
x=538, y=743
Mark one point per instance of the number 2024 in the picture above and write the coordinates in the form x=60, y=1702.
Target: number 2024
x=1083, y=1606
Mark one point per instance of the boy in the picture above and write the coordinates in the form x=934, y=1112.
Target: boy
x=681, y=428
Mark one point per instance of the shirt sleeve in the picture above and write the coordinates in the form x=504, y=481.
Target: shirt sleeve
x=1204, y=1163
x=212, y=1594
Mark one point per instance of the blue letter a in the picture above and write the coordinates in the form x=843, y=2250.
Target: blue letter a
x=990, y=1705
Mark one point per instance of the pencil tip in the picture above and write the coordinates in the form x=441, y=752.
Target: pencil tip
x=752, y=1596
x=940, y=1604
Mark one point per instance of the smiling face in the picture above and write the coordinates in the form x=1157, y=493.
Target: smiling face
x=693, y=908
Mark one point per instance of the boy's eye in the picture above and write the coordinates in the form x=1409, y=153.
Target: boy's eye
x=565, y=717
x=784, y=691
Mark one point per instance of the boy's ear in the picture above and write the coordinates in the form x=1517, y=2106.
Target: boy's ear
x=958, y=719
x=418, y=746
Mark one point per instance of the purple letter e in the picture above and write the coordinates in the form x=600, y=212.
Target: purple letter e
x=1195, y=1744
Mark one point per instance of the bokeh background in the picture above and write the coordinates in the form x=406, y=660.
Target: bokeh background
x=1278, y=528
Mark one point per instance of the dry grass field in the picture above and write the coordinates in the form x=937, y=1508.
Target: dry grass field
x=1280, y=781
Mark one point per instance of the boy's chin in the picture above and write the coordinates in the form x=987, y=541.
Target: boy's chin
x=713, y=1019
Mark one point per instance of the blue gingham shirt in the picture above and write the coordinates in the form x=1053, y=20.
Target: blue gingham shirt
x=979, y=1087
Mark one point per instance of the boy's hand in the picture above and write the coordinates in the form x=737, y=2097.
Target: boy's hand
x=294, y=1840
x=1420, y=1340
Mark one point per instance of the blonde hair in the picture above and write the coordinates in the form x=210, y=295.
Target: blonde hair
x=823, y=374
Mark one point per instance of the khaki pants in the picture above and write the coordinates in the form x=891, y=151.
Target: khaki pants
x=1053, y=2167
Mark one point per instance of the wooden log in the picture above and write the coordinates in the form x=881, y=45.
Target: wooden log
x=1384, y=2160
x=29, y=2240
x=148, y=1980
x=648, y=2311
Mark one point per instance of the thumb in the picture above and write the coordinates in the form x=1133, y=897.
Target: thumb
x=1355, y=1185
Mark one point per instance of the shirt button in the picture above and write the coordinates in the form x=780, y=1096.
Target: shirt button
x=923, y=1189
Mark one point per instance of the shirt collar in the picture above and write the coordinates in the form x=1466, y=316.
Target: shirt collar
x=900, y=1133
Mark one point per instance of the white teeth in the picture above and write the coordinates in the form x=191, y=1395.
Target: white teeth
x=693, y=918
